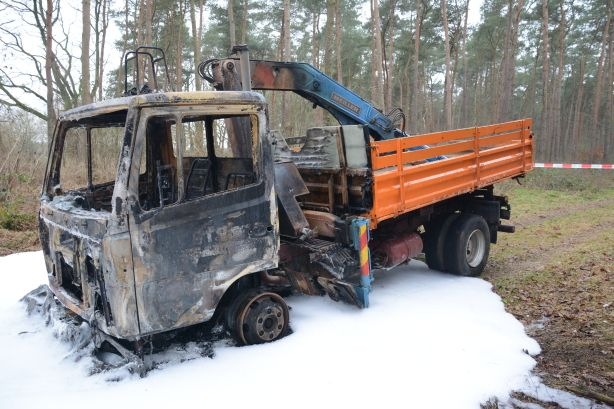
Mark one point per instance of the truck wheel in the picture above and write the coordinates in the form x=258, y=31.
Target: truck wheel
x=467, y=246
x=256, y=317
x=435, y=239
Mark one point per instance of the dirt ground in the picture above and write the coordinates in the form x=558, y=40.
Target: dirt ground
x=16, y=241
x=555, y=274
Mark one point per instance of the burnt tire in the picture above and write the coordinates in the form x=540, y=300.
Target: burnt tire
x=258, y=316
x=467, y=246
x=435, y=240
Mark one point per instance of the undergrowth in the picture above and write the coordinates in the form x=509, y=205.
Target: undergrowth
x=11, y=218
x=564, y=180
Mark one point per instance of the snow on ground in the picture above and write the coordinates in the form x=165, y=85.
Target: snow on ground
x=429, y=340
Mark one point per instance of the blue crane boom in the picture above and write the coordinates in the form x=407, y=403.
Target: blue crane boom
x=310, y=83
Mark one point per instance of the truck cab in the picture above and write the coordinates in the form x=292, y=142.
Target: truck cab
x=153, y=205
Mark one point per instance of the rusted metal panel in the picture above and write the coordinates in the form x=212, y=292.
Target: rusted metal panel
x=322, y=223
x=289, y=185
x=321, y=149
x=333, y=185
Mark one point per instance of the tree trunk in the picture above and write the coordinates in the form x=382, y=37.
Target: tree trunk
x=545, y=117
x=405, y=88
x=329, y=29
x=285, y=56
x=126, y=25
x=231, y=24
x=508, y=64
x=389, y=57
x=105, y=26
x=179, y=21
x=599, y=85
x=377, y=89
x=149, y=22
x=315, y=49
x=579, y=100
x=454, y=50
x=127, y=34
x=429, y=117
x=285, y=35
x=416, y=65
x=86, y=97
x=318, y=117
x=145, y=37
x=244, y=23
x=447, y=99
x=465, y=103
x=532, y=98
x=608, y=133
x=140, y=22
x=198, y=82
x=338, y=27
x=48, y=62
x=196, y=36
x=557, y=88
x=328, y=62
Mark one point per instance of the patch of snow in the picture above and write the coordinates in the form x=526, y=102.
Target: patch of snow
x=515, y=403
x=536, y=389
x=73, y=232
x=67, y=203
x=536, y=325
x=428, y=340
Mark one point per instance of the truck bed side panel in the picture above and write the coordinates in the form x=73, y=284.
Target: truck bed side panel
x=475, y=157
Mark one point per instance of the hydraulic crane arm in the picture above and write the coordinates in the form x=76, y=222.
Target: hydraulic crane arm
x=310, y=83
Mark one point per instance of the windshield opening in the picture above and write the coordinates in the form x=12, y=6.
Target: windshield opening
x=85, y=161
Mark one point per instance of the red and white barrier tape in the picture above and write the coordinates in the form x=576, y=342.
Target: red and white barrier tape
x=575, y=165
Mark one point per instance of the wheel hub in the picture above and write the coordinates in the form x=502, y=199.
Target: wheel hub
x=476, y=245
x=269, y=323
x=261, y=318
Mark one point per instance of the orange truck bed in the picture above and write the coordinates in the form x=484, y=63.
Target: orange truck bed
x=475, y=157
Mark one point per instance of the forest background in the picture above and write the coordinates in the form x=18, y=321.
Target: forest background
x=551, y=60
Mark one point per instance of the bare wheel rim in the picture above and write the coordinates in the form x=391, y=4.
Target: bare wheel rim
x=476, y=248
x=264, y=316
x=270, y=322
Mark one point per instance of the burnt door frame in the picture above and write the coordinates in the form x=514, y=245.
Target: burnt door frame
x=187, y=254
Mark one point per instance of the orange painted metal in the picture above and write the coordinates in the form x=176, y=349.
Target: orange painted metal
x=475, y=157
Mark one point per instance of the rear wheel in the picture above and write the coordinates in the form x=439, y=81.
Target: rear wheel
x=467, y=246
x=435, y=240
x=257, y=316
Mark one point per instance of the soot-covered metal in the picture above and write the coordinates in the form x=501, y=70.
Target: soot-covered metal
x=144, y=265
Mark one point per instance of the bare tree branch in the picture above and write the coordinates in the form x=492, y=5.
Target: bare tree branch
x=9, y=83
x=16, y=102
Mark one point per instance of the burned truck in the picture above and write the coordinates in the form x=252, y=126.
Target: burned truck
x=162, y=210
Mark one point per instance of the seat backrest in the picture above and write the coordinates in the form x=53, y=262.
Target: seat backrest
x=198, y=178
x=238, y=179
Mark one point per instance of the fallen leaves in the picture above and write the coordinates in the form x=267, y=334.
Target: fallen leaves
x=560, y=287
